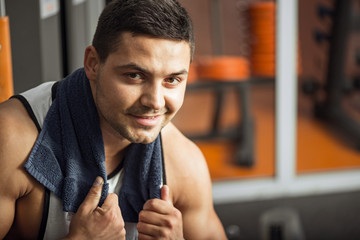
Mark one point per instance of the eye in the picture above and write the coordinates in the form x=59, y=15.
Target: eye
x=173, y=81
x=136, y=76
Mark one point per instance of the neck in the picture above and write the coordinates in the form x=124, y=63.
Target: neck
x=115, y=146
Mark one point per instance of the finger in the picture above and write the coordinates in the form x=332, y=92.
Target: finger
x=144, y=236
x=148, y=231
x=92, y=199
x=111, y=208
x=157, y=205
x=165, y=194
x=151, y=217
x=110, y=201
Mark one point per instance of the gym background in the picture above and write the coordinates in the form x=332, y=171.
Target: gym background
x=273, y=101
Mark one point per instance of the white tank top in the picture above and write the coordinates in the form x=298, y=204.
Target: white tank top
x=55, y=222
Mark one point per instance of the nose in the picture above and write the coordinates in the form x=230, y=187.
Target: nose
x=153, y=96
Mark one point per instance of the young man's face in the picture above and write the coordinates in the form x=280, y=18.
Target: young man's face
x=140, y=87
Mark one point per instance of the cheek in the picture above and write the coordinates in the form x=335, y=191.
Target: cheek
x=123, y=95
x=175, y=100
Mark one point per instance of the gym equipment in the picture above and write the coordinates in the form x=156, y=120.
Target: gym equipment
x=6, y=81
x=79, y=20
x=331, y=109
x=262, y=28
x=36, y=42
x=281, y=223
x=219, y=75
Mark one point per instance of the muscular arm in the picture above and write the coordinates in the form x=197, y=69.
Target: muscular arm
x=190, y=185
x=17, y=135
x=199, y=217
x=7, y=207
x=21, y=196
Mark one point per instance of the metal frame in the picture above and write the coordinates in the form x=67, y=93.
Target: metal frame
x=2, y=8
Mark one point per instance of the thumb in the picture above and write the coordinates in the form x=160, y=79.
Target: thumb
x=92, y=199
x=165, y=194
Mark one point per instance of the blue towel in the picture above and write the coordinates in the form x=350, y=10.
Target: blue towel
x=69, y=153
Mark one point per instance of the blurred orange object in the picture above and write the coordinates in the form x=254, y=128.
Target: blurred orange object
x=263, y=48
x=262, y=19
x=265, y=31
x=6, y=81
x=223, y=68
x=193, y=75
x=261, y=7
x=263, y=58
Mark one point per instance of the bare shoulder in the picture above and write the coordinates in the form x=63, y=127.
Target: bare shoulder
x=185, y=164
x=190, y=185
x=17, y=136
x=179, y=145
x=181, y=151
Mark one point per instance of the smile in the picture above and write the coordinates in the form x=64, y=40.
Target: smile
x=147, y=121
x=145, y=117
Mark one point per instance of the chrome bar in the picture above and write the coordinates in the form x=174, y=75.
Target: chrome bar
x=2, y=8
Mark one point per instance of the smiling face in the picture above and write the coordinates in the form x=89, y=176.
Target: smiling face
x=140, y=87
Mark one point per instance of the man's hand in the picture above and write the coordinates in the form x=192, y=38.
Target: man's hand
x=93, y=222
x=159, y=219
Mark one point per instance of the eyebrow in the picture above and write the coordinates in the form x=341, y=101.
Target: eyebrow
x=136, y=67
x=179, y=73
x=133, y=66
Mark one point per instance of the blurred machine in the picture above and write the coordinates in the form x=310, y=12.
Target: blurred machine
x=6, y=81
x=79, y=20
x=339, y=85
x=48, y=38
x=35, y=41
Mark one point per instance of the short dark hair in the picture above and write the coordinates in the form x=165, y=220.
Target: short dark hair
x=165, y=19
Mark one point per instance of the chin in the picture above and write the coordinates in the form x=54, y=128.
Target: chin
x=143, y=136
x=142, y=139
x=136, y=134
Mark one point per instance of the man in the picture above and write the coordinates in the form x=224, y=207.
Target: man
x=102, y=121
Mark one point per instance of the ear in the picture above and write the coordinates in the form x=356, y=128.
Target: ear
x=91, y=62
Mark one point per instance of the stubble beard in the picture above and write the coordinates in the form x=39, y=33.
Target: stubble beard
x=139, y=134
x=143, y=134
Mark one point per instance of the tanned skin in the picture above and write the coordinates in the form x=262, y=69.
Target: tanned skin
x=137, y=90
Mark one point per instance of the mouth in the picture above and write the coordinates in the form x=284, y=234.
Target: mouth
x=147, y=121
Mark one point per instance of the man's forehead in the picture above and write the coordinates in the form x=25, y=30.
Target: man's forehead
x=143, y=46
x=130, y=37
